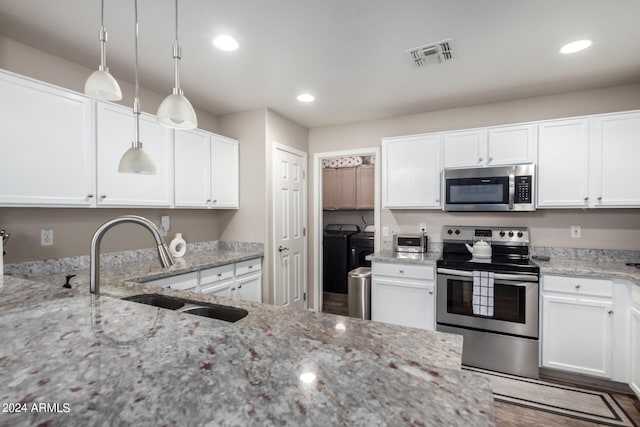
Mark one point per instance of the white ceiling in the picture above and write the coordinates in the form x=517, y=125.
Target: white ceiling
x=349, y=53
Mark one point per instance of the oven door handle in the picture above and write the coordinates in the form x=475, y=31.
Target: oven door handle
x=496, y=276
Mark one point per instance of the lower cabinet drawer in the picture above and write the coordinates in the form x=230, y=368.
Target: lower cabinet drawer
x=221, y=289
x=410, y=271
x=216, y=274
x=181, y=282
x=577, y=285
x=249, y=266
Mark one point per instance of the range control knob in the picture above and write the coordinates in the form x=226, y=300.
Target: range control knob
x=457, y=232
x=520, y=234
x=501, y=233
x=449, y=231
x=511, y=234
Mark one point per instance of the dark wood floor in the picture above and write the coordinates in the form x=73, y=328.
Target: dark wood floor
x=335, y=303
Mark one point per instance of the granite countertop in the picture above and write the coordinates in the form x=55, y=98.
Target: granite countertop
x=118, y=362
x=428, y=258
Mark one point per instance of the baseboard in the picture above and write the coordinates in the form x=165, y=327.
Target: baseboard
x=585, y=380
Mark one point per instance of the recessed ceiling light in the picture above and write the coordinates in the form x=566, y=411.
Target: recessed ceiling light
x=226, y=43
x=306, y=97
x=576, y=46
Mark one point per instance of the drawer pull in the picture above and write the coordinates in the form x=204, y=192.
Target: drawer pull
x=610, y=311
x=219, y=274
x=251, y=266
x=401, y=271
x=430, y=292
x=577, y=286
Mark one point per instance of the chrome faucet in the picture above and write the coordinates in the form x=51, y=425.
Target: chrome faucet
x=165, y=257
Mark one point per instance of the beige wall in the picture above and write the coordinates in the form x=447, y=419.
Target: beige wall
x=74, y=228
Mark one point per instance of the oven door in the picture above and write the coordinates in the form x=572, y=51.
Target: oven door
x=515, y=303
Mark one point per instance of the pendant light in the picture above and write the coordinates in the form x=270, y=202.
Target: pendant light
x=135, y=160
x=100, y=83
x=176, y=111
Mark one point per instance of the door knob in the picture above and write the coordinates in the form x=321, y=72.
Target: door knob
x=282, y=248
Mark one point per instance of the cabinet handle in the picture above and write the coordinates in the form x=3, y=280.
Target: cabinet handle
x=491, y=159
x=437, y=200
x=103, y=196
x=577, y=286
x=208, y=200
x=610, y=311
x=600, y=198
x=214, y=201
x=586, y=199
x=233, y=289
x=89, y=196
x=239, y=286
x=250, y=267
x=401, y=271
x=480, y=159
x=219, y=274
x=430, y=292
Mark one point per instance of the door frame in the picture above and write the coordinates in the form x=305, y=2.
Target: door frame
x=318, y=217
x=274, y=263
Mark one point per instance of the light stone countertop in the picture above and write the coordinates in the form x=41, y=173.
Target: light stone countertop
x=428, y=258
x=118, y=362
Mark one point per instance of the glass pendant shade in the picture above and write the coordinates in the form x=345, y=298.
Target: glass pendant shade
x=102, y=85
x=177, y=112
x=135, y=160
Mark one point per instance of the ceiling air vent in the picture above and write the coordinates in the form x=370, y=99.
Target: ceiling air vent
x=432, y=53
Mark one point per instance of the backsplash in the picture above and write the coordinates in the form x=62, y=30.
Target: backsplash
x=60, y=265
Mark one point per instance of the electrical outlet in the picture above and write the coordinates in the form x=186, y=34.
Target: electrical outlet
x=385, y=231
x=576, y=232
x=422, y=228
x=46, y=237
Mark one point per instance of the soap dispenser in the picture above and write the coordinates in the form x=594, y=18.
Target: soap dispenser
x=178, y=246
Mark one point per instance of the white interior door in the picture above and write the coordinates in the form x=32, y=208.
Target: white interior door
x=289, y=216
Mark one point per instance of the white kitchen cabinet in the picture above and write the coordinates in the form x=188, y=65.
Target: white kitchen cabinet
x=494, y=146
x=403, y=294
x=192, y=159
x=217, y=281
x=248, y=280
x=411, y=169
x=577, y=325
x=225, y=173
x=615, y=153
x=635, y=341
x=514, y=144
x=465, y=148
x=563, y=164
x=47, y=140
x=206, y=170
x=116, y=131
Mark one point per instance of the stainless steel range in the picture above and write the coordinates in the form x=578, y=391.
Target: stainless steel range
x=487, y=291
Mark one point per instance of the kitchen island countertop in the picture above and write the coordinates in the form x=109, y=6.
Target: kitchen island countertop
x=118, y=362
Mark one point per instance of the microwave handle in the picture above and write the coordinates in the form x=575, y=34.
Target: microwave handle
x=512, y=189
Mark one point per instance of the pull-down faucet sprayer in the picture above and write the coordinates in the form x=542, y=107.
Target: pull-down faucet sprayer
x=165, y=257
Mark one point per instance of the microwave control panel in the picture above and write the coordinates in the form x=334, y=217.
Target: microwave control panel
x=523, y=189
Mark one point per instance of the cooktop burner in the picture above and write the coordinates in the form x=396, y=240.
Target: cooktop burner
x=509, y=249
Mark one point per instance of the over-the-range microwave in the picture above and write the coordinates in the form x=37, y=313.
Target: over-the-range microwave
x=499, y=188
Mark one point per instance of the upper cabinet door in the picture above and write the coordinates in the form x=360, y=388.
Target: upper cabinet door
x=192, y=158
x=224, y=173
x=563, y=164
x=47, y=145
x=616, y=150
x=116, y=131
x=512, y=145
x=411, y=168
x=465, y=148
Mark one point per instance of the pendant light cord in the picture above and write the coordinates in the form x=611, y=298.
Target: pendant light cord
x=176, y=21
x=102, y=14
x=136, y=100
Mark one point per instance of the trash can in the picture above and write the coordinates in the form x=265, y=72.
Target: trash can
x=359, y=293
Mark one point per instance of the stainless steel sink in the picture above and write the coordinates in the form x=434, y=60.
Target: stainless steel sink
x=197, y=308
